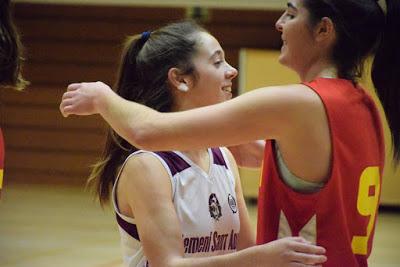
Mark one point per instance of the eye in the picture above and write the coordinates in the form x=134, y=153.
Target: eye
x=218, y=63
x=290, y=16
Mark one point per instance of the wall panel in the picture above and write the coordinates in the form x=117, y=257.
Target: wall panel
x=69, y=43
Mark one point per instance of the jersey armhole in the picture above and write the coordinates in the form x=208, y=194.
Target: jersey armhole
x=114, y=193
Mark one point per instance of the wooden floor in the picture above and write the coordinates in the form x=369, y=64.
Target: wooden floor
x=48, y=226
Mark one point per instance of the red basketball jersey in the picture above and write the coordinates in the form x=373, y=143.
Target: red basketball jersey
x=341, y=216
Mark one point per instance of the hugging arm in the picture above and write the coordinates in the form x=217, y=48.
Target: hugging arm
x=266, y=113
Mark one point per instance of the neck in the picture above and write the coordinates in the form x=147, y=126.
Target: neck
x=320, y=69
x=182, y=104
x=200, y=158
x=196, y=154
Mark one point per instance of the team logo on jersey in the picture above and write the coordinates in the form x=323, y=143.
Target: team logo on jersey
x=232, y=203
x=214, y=207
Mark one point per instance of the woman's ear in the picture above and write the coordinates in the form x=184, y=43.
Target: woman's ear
x=325, y=30
x=177, y=80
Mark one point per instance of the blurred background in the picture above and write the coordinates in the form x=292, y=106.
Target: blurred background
x=46, y=216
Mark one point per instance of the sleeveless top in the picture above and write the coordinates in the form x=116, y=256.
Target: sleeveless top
x=205, y=204
x=341, y=216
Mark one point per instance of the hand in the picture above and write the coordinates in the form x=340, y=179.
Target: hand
x=82, y=98
x=293, y=252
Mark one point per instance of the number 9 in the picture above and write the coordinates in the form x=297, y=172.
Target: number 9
x=367, y=206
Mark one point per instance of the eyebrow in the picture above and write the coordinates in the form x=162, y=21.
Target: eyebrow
x=291, y=5
x=217, y=53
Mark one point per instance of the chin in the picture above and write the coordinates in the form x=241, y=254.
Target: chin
x=227, y=97
x=282, y=60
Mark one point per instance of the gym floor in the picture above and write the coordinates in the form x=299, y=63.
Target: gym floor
x=54, y=225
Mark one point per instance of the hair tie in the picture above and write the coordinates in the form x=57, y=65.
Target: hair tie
x=383, y=5
x=145, y=36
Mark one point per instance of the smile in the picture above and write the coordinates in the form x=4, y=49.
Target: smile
x=227, y=89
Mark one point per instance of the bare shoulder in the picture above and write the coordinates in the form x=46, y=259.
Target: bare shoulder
x=291, y=94
x=283, y=103
x=286, y=108
x=142, y=172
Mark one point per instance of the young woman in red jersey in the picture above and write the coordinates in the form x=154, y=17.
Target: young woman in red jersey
x=10, y=63
x=324, y=154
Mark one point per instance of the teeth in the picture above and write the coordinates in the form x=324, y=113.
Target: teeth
x=227, y=89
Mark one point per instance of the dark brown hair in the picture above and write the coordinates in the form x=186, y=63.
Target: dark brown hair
x=364, y=29
x=143, y=76
x=10, y=50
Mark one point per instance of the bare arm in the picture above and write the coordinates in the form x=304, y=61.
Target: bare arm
x=145, y=185
x=246, y=234
x=266, y=113
x=249, y=155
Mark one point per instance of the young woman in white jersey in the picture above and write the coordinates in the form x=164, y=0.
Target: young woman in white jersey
x=174, y=206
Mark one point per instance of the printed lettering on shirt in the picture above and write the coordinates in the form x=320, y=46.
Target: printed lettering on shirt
x=213, y=242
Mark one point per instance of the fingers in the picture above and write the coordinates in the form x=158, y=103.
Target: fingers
x=306, y=253
x=307, y=248
x=65, y=109
x=308, y=258
x=298, y=239
x=73, y=86
x=66, y=103
x=67, y=95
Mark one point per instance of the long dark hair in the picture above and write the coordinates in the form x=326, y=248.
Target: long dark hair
x=364, y=28
x=10, y=50
x=143, y=78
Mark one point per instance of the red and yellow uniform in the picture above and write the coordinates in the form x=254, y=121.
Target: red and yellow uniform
x=1, y=160
x=340, y=217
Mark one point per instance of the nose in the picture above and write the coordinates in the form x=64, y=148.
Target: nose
x=231, y=73
x=278, y=24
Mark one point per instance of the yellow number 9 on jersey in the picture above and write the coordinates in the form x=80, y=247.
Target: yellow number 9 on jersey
x=367, y=206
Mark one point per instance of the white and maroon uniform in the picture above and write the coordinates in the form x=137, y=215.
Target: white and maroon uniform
x=205, y=204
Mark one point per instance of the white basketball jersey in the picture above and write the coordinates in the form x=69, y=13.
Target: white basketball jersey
x=205, y=204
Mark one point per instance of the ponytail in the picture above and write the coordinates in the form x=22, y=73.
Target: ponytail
x=116, y=149
x=386, y=72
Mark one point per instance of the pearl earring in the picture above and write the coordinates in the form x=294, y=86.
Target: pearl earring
x=183, y=87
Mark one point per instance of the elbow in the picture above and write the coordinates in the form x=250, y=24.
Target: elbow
x=137, y=138
x=142, y=138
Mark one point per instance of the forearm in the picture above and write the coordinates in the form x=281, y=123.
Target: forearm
x=121, y=114
x=246, y=257
x=151, y=130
